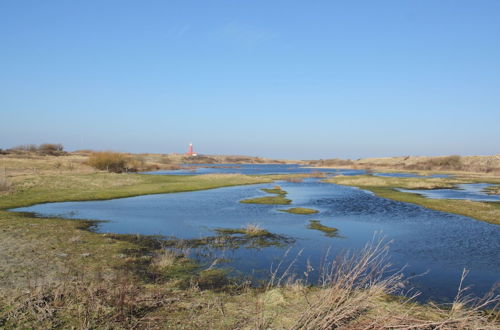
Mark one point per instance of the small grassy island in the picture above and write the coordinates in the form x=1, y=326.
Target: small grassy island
x=275, y=200
x=250, y=230
x=317, y=225
x=300, y=210
x=276, y=190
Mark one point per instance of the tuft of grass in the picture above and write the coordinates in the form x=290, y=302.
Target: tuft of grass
x=252, y=230
x=277, y=200
x=300, y=210
x=317, y=225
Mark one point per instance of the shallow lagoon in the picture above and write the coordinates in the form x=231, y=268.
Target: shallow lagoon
x=423, y=239
x=253, y=169
x=469, y=191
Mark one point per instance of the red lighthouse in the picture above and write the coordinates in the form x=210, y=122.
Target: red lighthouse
x=190, y=150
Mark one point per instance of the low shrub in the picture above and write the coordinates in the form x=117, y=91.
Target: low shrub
x=108, y=161
x=54, y=149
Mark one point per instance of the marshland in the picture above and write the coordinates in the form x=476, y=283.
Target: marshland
x=250, y=164
x=162, y=245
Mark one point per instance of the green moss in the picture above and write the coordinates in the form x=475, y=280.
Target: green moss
x=276, y=200
x=300, y=210
x=316, y=225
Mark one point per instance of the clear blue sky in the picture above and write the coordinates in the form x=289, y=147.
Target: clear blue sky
x=290, y=79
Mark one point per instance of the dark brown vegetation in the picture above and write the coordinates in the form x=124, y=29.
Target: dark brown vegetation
x=108, y=161
x=116, y=162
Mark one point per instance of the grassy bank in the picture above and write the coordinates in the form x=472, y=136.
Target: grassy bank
x=385, y=187
x=96, y=186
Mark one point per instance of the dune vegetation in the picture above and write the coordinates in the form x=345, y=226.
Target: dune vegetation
x=489, y=165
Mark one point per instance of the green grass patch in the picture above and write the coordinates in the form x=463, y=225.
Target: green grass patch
x=300, y=210
x=277, y=191
x=277, y=200
x=316, y=225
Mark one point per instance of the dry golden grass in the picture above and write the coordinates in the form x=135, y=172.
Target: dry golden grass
x=255, y=230
x=30, y=165
x=5, y=185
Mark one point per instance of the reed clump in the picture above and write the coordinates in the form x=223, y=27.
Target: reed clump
x=359, y=289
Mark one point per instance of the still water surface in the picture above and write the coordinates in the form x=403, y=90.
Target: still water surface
x=423, y=240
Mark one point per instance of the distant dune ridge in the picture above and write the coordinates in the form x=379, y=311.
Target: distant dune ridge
x=479, y=164
x=148, y=161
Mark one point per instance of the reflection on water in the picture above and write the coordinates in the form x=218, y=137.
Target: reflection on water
x=424, y=239
x=470, y=191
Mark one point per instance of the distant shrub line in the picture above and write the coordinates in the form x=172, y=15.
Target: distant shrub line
x=52, y=149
